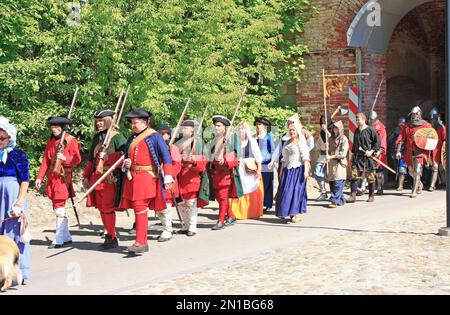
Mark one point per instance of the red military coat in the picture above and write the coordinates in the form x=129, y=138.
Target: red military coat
x=190, y=177
x=223, y=178
x=104, y=194
x=59, y=186
x=146, y=184
x=442, y=133
x=380, y=129
x=176, y=168
x=407, y=137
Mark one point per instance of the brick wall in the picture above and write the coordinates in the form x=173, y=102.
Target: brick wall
x=415, y=54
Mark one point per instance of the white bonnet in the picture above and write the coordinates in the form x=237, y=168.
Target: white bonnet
x=9, y=128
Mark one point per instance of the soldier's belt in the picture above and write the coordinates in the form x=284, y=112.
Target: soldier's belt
x=147, y=168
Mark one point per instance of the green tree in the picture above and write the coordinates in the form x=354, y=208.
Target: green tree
x=167, y=51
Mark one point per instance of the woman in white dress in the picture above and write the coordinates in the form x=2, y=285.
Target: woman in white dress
x=251, y=204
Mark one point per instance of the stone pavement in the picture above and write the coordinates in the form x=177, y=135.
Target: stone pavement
x=325, y=253
x=403, y=257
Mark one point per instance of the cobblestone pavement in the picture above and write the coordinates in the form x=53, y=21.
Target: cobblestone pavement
x=404, y=257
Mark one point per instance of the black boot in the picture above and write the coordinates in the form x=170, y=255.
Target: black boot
x=110, y=243
x=218, y=226
x=353, y=189
x=230, y=221
x=371, y=192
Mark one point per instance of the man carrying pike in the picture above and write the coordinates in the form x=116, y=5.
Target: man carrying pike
x=100, y=159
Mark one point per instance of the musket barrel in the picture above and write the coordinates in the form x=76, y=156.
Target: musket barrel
x=175, y=132
x=101, y=179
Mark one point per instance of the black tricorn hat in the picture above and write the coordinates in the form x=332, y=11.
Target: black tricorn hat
x=262, y=120
x=138, y=113
x=221, y=119
x=190, y=123
x=164, y=128
x=102, y=113
x=58, y=121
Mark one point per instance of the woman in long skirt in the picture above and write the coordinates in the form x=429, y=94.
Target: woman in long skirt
x=291, y=198
x=14, y=180
x=250, y=205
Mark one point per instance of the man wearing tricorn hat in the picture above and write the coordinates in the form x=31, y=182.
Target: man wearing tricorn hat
x=192, y=176
x=58, y=167
x=100, y=159
x=267, y=146
x=222, y=166
x=414, y=156
x=148, y=169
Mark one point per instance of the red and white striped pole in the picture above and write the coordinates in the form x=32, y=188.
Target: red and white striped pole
x=353, y=105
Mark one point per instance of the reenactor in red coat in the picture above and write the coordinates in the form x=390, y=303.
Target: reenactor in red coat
x=438, y=125
x=380, y=129
x=100, y=159
x=58, y=163
x=414, y=156
x=148, y=169
x=222, y=166
x=191, y=177
x=166, y=215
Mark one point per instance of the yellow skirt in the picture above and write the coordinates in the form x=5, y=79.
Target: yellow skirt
x=250, y=205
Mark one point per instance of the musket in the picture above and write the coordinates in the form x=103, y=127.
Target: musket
x=227, y=134
x=58, y=164
x=101, y=179
x=76, y=213
x=175, y=132
x=123, y=107
x=176, y=208
x=244, y=91
x=379, y=161
x=194, y=141
x=108, y=136
x=60, y=148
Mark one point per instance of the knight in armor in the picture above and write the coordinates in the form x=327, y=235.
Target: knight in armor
x=438, y=125
x=414, y=156
x=402, y=167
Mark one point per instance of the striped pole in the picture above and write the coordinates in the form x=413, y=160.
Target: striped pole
x=353, y=105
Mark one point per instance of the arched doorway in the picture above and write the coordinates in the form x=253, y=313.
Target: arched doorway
x=410, y=42
x=415, y=60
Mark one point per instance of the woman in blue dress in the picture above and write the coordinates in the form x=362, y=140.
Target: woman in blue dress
x=291, y=198
x=14, y=180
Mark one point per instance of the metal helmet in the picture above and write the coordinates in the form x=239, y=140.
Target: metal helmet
x=401, y=120
x=416, y=110
x=373, y=116
x=434, y=111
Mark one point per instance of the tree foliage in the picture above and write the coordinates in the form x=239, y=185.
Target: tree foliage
x=167, y=50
